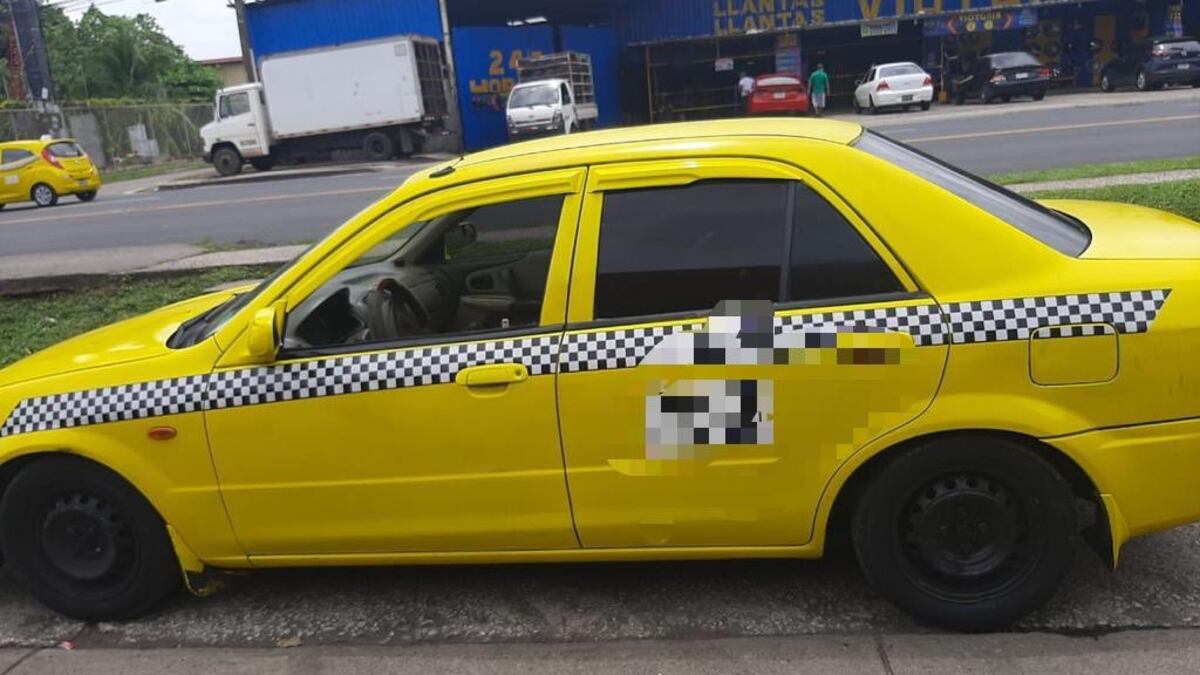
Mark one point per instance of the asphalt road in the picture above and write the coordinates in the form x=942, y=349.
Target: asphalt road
x=984, y=139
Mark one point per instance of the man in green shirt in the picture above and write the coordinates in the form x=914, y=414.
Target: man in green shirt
x=818, y=87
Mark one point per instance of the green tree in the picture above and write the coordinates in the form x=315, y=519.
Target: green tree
x=105, y=56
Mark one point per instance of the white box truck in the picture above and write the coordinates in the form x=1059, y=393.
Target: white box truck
x=556, y=94
x=382, y=96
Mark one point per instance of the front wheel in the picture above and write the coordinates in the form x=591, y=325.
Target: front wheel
x=85, y=541
x=1039, y=96
x=1142, y=83
x=227, y=161
x=1106, y=84
x=969, y=533
x=925, y=105
x=43, y=195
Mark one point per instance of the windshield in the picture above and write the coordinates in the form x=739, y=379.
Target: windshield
x=1057, y=230
x=1014, y=60
x=528, y=97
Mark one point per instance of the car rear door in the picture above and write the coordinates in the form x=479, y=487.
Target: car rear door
x=735, y=333
x=14, y=166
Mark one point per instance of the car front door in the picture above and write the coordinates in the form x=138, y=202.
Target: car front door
x=240, y=123
x=412, y=408
x=734, y=334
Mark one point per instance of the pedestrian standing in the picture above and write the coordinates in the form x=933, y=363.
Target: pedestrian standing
x=818, y=87
x=745, y=85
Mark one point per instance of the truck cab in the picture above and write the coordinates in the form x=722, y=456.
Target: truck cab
x=240, y=130
x=545, y=107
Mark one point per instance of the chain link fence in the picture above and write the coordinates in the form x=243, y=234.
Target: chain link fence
x=120, y=134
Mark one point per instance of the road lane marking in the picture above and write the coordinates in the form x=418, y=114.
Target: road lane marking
x=1039, y=130
x=192, y=205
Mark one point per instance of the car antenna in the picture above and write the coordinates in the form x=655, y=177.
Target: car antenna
x=448, y=169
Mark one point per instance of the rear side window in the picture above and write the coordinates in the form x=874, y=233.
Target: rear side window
x=65, y=149
x=1059, y=231
x=829, y=259
x=674, y=250
x=682, y=249
x=10, y=156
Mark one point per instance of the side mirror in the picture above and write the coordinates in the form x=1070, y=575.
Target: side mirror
x=858, y=83
x=263, y=339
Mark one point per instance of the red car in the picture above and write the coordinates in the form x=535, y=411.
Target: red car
x=778, y=94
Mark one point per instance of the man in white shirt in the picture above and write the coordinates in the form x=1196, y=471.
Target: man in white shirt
x=745, y=85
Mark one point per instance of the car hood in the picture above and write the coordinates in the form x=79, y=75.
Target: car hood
x=136, y=339
x=1125, y=231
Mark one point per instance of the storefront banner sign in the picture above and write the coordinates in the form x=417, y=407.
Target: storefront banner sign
x=879, y=28
x=724, y=65
x=980, y=22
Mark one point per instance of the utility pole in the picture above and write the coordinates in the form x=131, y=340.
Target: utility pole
x=452, y=77
x=239, y=6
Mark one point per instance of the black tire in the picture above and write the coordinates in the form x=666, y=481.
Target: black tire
x=858, y=109
x=43, y=195
x=925, y=105
x=985, y=96
x=227, y=161
x=1006, y=99
x=968, y=533
x=1142, y=83
x=263, y=163
x=86, y=196
x=379, y=147
x=86, y=542
x=1039, y=96
x=1106, y=84
x=871, y=107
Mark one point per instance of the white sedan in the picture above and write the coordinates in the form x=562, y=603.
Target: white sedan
x=891, y=85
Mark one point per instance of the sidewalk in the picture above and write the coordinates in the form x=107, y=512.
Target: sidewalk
x=1157, y=651
x=1106, y=181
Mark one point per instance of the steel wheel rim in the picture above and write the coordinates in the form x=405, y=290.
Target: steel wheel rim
x=87, y=542
x=965, y=537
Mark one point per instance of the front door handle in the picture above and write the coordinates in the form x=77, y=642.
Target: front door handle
x=490, y=376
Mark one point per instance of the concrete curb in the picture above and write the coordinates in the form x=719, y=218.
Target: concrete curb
x=265, y=177
x=1149, y=178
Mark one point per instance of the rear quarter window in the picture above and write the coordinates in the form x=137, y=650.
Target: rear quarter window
x=64, y=149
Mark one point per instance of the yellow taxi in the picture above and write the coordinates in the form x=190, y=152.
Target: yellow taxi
x=705, y=340
x=41, y=171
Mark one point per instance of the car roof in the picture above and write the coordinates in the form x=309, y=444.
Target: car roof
x=1167, y=38
x=833, y=131
x=895, y=63
x=27, y=143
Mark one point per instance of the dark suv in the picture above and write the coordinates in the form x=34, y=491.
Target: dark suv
x=1003, y=76
x=1149, y=64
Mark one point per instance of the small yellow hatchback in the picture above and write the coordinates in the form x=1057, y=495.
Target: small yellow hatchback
x=709, y=340
x=43, y=170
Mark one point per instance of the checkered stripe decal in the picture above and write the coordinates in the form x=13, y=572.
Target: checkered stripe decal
x=112, y=404
x=272, y=384
x=607, y=350
x=961, y=323
x=1089, y=330
x=923, y=322
x=1003, y=320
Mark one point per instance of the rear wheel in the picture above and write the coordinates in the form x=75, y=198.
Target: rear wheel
x=227, y=161
x=925, y=105
x=86, y=196
x=985, y=96
x=1142, y=83
x=43, y=195
x=379, y=147
x=263, y=163
x=969, y=533
x=1039, y=96
x=85, y=541
x=1106, y=84
x=858, y=109
x=871, y=108
x=1006, y=99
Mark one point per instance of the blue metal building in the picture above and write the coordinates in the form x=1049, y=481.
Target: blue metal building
x=678, y=59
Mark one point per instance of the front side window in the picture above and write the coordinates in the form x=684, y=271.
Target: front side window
x=1056, y=230
x=477, y=270
x=235, y=104
x=684, y=249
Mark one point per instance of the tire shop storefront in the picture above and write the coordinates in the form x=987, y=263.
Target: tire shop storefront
x=681, y=59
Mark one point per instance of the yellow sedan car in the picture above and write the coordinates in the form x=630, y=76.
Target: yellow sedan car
x=41, y=171
x=705, y=340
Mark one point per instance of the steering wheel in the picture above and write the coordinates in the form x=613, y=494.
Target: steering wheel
x=394, y=312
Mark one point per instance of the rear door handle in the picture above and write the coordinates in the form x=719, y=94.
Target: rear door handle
x=490, y=376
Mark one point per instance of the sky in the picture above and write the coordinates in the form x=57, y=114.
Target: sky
x=206, y=29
